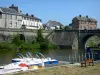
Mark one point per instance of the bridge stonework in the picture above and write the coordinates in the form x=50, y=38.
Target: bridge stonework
x=29, y=35
x=74, y=39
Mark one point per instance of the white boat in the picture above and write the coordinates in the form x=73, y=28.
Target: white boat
x=35, y=61
x=26, y=63
x=13, y=67
x=29, y=60
x=18, y=66
x=47, y=60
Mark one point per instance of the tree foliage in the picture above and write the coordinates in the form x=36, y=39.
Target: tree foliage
x=16, y=40
x=67, y=28
x=39, y=37
x=91, y=44
x=39, y=43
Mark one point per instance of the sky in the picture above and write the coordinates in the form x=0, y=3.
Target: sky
x=58, y=10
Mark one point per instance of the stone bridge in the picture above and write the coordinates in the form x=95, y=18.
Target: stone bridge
x=27, y=35
x=74, y=39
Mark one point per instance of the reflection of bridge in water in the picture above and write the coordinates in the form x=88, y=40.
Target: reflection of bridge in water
x=74, y=39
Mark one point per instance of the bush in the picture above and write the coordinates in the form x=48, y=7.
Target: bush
x=43, y=45
x=39, y=43
x=33, y=42
x=29, y=46
x=16, y=40
x=53, y=46
x=7, y=46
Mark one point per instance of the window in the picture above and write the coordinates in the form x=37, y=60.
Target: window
x=80, y=27
x=16, y=24
x=24, y=18
x=23, y=22
x=10, y=23
x=5, y=16
x=16, y=17
x=32, y=19
x=90, y=27
x=84, y=27
x=94, y=27
x=10, y=16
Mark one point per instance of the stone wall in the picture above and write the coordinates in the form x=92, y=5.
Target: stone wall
x=7, y=34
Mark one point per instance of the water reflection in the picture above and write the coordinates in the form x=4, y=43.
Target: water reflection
x=62, y=55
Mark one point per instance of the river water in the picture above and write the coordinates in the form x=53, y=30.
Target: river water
x=62, y=55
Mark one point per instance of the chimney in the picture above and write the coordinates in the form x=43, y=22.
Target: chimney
x=14, y=7
x=79, y=15
x=32, y=15
x=26, y=14
x=86, y=16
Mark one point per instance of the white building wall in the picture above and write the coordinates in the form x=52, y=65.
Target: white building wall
x=32, y=24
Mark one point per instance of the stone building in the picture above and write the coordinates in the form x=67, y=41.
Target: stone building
x=51, y=25
x=81, y=23
x=13, y=17
x=10, y=17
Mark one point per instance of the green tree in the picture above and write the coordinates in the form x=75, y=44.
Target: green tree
x=67, y=28
x=39, y=37
x=16, y=40
x=91, y=44
x=61, y=28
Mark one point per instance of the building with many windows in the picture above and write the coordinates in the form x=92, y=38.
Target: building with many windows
x=81, y=23
x=13, y=17
x=31, y=22
x=10, y=18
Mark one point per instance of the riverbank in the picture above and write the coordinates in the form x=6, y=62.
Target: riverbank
x=66, y=70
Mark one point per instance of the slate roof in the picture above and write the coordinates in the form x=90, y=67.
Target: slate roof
x=85, y=19
x=30, y=16
x=8, y=10
x=13, y=11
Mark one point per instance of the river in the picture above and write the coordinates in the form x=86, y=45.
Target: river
x=7, y=55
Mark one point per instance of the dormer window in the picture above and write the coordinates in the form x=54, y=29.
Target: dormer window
x=32, y=15
x=26, y=14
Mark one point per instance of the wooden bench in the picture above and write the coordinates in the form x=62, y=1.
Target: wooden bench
x=87, y=61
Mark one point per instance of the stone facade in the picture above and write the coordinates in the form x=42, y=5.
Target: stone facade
x=10, y=21
x=81, y=23
x=13, y=17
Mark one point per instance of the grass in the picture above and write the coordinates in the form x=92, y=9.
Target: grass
x=66, y=70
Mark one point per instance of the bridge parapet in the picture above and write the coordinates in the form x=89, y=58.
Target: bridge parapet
x=27, y=33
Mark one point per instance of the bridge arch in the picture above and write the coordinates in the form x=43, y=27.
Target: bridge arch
x=84, y=40
x=22, y=37
x=2, y=37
